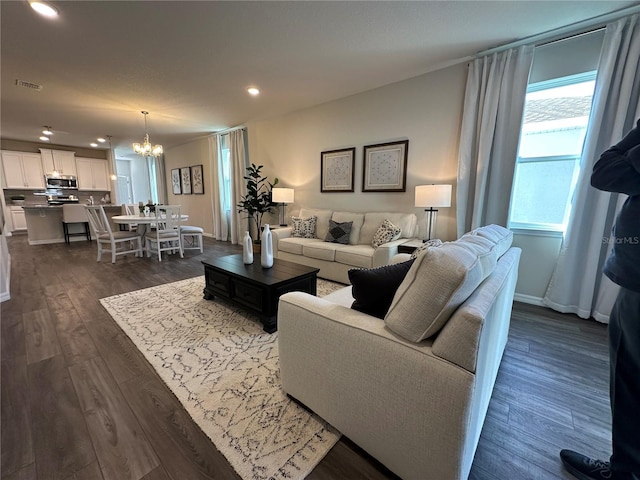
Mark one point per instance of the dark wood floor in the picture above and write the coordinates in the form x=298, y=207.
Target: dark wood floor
x=79, y=402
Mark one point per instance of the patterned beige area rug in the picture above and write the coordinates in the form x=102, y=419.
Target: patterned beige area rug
x=224, y=369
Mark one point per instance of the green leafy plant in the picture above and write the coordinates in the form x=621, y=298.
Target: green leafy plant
x=257, y=201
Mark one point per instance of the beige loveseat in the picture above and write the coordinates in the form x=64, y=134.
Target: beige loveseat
x=333, y=259
x=412, y=389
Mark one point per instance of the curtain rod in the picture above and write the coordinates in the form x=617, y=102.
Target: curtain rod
x=563, y=33
x=227, y=130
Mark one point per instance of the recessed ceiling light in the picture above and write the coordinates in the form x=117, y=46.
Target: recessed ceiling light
x=101, y=140
x=47, y=130
x=43, y=8
x=93, y=144
x=44, y=139
x=253, y=91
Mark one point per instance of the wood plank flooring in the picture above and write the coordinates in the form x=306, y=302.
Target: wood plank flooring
x=79, y=402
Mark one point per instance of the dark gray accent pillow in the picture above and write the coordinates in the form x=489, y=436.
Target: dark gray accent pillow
x=373, y=288
x=338, y=232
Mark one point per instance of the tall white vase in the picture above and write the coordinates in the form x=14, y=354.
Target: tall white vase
x=266, y=253
x=247, y=249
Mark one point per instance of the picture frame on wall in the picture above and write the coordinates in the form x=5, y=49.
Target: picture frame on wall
x=175, y=181
x=384, y=167
x=185, y=177
x=197, y=183
x=336, y=170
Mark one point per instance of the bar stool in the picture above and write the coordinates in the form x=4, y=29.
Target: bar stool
x=195, y=234
x=75, y=213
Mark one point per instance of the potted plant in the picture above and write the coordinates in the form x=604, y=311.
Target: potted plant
x=257, y=201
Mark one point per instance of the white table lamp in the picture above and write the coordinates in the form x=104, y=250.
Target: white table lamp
x=432, y=196
x=283, y=196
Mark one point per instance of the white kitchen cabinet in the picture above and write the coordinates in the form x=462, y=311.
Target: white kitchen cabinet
x=62, y=161
x=93, y=174
x=17, y=218
x=22, y=170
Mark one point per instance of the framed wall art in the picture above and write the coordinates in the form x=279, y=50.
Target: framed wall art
x=185, y=176
x=197, y=183
x=385, y=167
x=175, y=181
x=336, y=170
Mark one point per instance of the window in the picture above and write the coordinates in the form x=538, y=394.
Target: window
x=555, y=122
x=225, y=175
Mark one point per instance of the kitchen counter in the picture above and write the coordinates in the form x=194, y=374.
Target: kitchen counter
x=44, y=223
x=46, y=205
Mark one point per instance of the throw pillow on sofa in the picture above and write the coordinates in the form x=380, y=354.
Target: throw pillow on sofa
x=373, y=288
x=303, y=227
x=440, y=280
x=385, y=233
x=339, y=232
x=434, y=242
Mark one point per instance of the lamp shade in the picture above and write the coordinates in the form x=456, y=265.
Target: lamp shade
x=433, y=196
x=282, y=195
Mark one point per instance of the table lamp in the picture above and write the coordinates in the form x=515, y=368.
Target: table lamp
x=283, y=196
x=432, y=196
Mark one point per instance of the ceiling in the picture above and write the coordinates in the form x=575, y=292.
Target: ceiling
x=188, y=63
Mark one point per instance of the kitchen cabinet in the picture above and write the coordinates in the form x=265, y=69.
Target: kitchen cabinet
x=22, y=170
x=17, y=219
x=93, y=174
x=62, y=161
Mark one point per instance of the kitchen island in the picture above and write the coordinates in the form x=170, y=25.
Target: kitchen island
x=44, y=223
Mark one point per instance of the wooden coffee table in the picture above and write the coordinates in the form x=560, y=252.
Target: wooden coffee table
x=255, y=288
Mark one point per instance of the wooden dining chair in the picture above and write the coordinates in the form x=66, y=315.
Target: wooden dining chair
x=118, y=242
x=166, y=236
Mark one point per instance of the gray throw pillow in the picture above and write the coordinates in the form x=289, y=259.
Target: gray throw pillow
x=338, y=232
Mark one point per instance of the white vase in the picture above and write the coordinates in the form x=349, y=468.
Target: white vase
x=266, y=253
x=247, y=249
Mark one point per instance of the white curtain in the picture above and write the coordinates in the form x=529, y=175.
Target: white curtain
x=238, y=163
x=491, y=122
x=578, y=285
x=220, y=214
x=228, y=224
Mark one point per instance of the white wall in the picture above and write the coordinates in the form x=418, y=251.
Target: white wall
x=426, y=110
x=198, y=207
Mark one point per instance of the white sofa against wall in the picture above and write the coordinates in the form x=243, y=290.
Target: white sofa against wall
x=412, y=389
x=334, y=259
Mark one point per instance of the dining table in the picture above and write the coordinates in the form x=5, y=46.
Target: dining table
x=142, y=223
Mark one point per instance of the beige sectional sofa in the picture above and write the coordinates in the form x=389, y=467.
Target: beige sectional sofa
x=412, y=389
x=333, y=259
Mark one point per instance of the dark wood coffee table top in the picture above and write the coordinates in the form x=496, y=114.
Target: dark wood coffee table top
x=281, y=271
x=254, y=287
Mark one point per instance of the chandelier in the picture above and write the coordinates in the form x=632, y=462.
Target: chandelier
x=145, y=148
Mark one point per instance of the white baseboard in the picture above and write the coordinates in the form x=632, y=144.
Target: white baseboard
x=530, y=299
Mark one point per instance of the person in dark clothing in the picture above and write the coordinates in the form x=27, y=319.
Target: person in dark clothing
x=618, y=170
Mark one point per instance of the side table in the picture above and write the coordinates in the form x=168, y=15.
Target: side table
x=409, y=246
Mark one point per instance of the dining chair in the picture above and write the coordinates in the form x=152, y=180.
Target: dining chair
x=191, y=237
x=74, y=213
x=128, y=209
x=106, y=237
x=166, y=236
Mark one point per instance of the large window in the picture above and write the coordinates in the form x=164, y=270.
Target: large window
x=555, y=123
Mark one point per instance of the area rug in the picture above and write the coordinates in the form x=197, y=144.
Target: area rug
x=223, y=368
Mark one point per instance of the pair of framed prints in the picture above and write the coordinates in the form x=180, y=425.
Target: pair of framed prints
x=384, y=168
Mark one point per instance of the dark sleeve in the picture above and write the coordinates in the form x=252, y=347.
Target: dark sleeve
x=618, y=171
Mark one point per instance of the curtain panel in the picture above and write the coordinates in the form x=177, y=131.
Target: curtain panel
x=577, y=284
x=220, y=216
x=228, y=223
x=491, y=123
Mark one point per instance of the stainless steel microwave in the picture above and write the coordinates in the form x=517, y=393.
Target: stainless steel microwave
x=61, y=181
